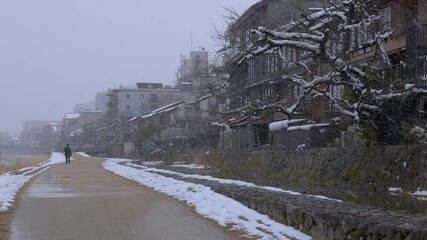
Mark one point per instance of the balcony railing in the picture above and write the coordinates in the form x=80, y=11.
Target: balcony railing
x=422, y=34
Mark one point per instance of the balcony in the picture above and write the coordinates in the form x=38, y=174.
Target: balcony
x=422, y=34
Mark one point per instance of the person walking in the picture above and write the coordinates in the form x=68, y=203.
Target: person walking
x=67, y=152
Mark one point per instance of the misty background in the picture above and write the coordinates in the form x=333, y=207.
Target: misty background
x=55, y=54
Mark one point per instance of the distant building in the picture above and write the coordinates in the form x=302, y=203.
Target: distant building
x=101, y=101
x=84, y=107
x=72, y=125
x=34, y=124
x=38, y=134
x=47, y=136
x=192, y=71
x=185, y=120
x=143, y=98
x=31, y=130
x=6, y=139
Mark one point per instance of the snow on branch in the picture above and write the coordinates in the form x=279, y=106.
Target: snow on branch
x=326, y=42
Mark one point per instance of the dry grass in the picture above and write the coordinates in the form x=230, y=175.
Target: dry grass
x=26, y=162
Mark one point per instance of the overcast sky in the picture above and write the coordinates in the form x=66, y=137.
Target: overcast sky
x=56, y=53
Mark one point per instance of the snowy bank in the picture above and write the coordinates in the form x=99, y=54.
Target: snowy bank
x=224, y=210
x=190, y=166
x=152, y=163
x=11, y=182
x=227, y=181
x=83, y=154
x=420, y=195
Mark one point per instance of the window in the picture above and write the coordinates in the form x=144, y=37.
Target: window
x=266, y=93
x=180, y=123
x=127, y=95
x=422, y=67
x=141, y=96
x=154, y=97
x=386, y=19
x=336, y=47
x=336, y=92
x=162, y=119
x=127, y=107
x=363, y=35
x=297, y=90
x=353, y=38
x=273, y=63
x=360, y=39
x=251, y=70
x=422, y=34
x=223, y=106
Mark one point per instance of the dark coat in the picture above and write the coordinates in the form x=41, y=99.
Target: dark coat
x=67, y=151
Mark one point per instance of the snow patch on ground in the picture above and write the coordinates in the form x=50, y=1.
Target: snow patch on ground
x=225, y=211
x=189, y=166
x=11, y=182
x=219, y=180
x=152, y=164
x=83, y=154
x=395, y=189
x=420, y=193
x=228, y=181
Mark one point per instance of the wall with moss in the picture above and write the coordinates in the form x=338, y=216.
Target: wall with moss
x=358, y=169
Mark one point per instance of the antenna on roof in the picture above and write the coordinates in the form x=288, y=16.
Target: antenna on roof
x=191, y=39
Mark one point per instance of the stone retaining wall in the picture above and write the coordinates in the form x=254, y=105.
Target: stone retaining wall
x=356, y=169
x=320, y=218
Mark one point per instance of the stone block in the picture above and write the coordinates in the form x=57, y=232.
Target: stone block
x=330, y=233
x=348, y=226
x=308, y=222
x=405, y=229
x=339, y=233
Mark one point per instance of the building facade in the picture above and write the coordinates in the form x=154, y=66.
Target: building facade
x=143, y=99
x=101, y=101
x=261, y=80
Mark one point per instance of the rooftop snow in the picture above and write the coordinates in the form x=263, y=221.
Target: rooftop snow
x=166, y=108
x=284, y=124
x=71, y=115
x=307, y=126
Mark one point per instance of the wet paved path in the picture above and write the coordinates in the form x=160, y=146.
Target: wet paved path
x=83, y=201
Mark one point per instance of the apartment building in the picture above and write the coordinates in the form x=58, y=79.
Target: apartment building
x=143, y=98
x=260, y=80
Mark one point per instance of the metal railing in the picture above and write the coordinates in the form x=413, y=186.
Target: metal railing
x=422, y=34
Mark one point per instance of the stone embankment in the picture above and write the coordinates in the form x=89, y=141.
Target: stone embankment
x=321, y=218
x=374, y=168
x=358, y=174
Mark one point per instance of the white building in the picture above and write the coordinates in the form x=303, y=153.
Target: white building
x=81, y=107
x=143, y=99
x=101, y=101
x=193, y=70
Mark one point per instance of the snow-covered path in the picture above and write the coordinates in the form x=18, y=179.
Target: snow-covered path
x=212, y=205
x=83, y=201
x=11, y=182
